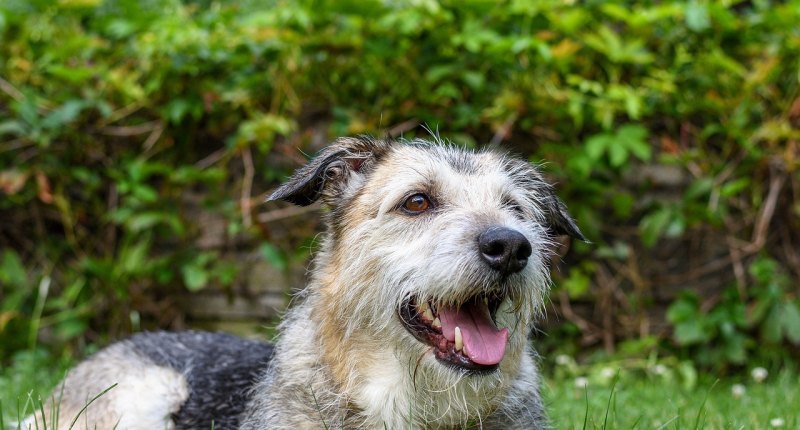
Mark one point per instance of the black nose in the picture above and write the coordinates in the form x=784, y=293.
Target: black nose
x=505, y=250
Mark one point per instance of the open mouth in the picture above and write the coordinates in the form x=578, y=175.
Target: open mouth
x=464, y=336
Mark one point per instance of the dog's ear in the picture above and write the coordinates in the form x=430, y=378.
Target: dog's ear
x=328, y=173
x=559, y=220
x=556, y=215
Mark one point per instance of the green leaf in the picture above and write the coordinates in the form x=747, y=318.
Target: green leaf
x=437, y=73
x=580, y=165
x=734, y=187
x=262, y=129
x=688, y=375
x=194, y=277
x=758, y=311
x=12, y=271
x=700, y=187
x=634, y=137
x=132, y=259
x=735, y=350
x=653, y=225
x=71, y=328
x=12, y=127
x=177, y=109
x=196, y=273
x=577, y=284
x=145, y=193
x=64, y=114
x=632, y=133
x=790, y=321
x=771, y=327
x=474, y=80
x=617, y=154
x=274, y=256
x=623, y=203
x=697, y=17
x=690, y=332
x=682, y=310
x=147, y=220
x=596, y=145
x=120, y=28
x=75, y=75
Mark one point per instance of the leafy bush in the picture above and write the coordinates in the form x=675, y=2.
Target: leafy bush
x=116, y=115
x=726, y=332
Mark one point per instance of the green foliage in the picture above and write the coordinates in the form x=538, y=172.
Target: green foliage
x=725, y=333
x=120, y=120
x=718, y=334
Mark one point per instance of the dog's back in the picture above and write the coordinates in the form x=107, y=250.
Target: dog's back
x=160, y=380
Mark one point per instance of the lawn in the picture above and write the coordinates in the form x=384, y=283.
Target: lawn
x=606, y=398
x=653, y=402
x=29, y=378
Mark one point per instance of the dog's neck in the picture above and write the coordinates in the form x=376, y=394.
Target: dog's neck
x=329, y=389
x=327, y=374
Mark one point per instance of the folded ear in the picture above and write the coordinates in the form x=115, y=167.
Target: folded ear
x=559, y=220
x=556, y=217
x=329, y=172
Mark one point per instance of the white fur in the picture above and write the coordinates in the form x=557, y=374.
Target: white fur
x=144, y=397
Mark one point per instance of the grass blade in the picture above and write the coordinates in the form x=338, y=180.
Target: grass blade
x=586, y=413
x=703, y=406
x=610, y=396
x=86, y=406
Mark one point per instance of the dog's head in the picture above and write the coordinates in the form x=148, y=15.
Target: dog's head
x=436, y=256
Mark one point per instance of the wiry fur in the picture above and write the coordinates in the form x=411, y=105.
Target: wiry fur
x=344, y=359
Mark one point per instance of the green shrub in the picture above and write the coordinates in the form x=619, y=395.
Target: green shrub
x=114, y=113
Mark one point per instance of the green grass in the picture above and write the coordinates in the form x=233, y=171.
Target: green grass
x=641, y=402
x=26, y=381
x=628, y=400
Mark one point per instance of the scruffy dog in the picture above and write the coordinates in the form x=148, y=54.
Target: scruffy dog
x=417, y=315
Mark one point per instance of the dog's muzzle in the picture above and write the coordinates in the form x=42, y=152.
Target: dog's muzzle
x=466, y=335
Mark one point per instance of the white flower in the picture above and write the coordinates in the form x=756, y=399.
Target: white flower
x=777, y=422
x=563, y=360
x=737, y=391
x=759, y=374
x=607, y=373
x=659, y=369
x=581, y=382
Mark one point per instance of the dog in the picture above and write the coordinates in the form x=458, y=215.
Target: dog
x=431, y=271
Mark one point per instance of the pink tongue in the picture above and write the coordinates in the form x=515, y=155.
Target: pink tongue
x=483, y=342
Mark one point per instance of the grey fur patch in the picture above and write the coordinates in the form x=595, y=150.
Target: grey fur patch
x=219, y=369
x=186, y=380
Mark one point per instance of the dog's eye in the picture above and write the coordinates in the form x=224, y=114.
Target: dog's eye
x=417, y=203
x=515, y=207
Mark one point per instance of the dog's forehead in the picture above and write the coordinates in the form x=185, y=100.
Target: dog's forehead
x=448, y=168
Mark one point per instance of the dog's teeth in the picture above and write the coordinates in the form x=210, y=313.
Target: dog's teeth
x=426, y=312
x=459, y=340
x=436, y=323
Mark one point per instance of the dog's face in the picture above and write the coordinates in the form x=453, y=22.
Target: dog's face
x=436, y=259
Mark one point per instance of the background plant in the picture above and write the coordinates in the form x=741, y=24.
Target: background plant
x=671, y=130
